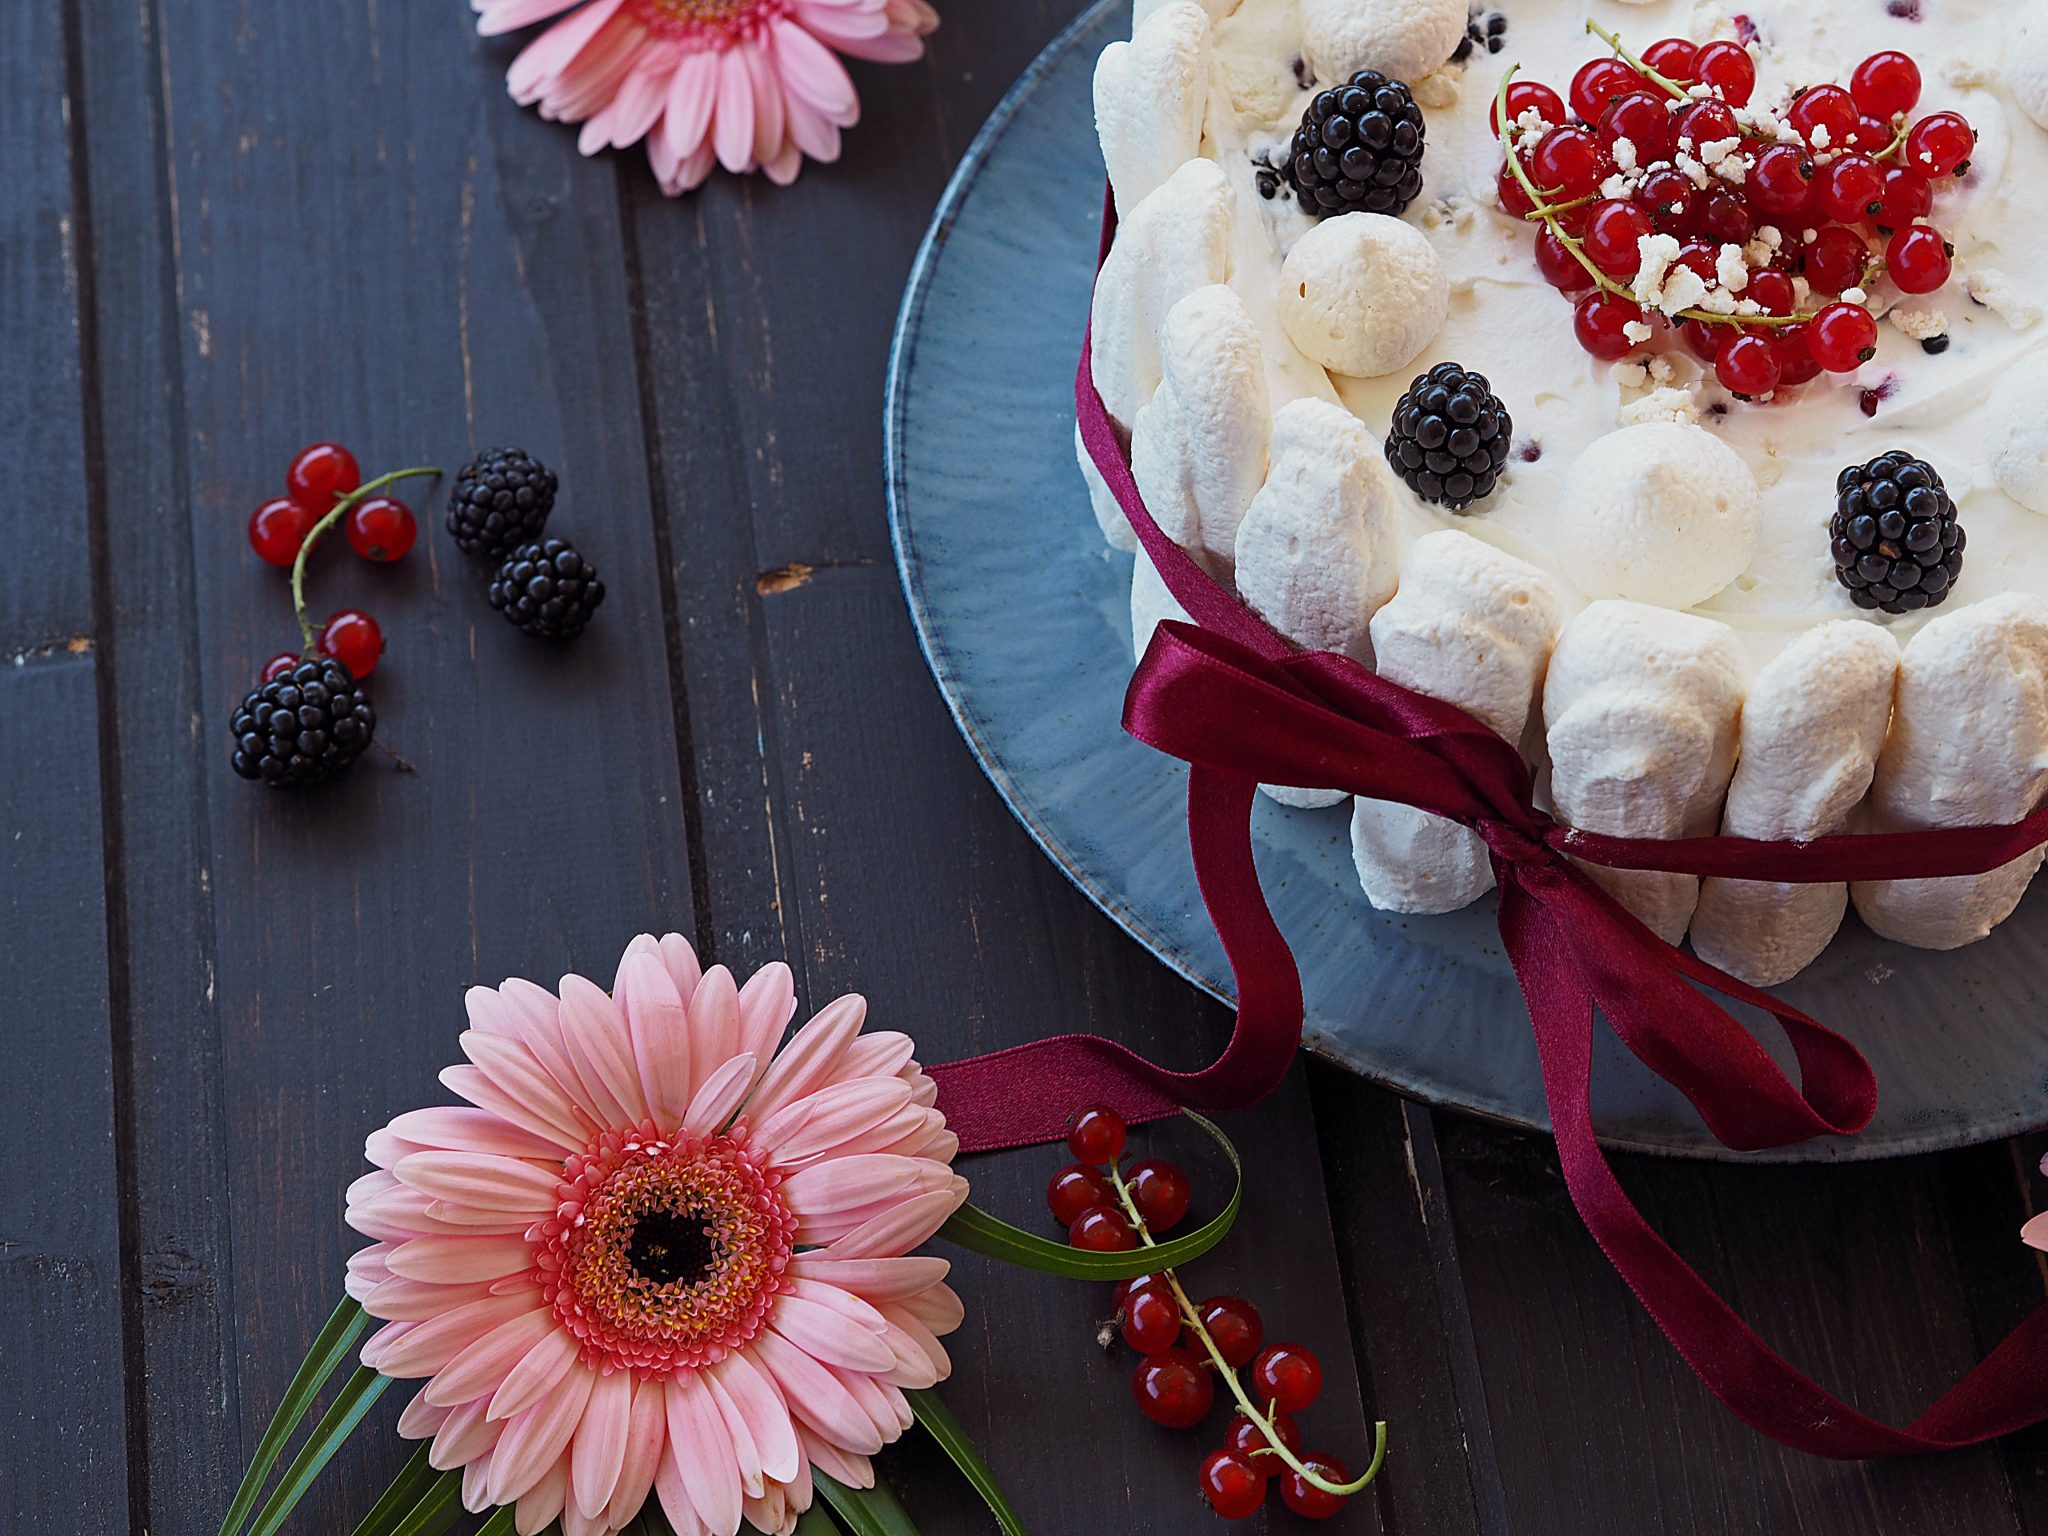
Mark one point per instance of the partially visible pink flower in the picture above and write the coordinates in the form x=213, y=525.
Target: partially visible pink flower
x=746, y=84
x=656, y=1253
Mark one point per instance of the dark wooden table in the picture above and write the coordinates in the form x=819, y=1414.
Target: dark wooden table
x=230, y=228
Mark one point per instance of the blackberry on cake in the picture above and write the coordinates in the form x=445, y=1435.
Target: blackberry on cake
x=547, y=589
x=501, y=500
x=1895, y=540
x=1450, y=436
x=303, y=726
x=1359, y=148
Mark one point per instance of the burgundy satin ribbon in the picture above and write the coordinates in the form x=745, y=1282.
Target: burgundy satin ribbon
x=1242, y=706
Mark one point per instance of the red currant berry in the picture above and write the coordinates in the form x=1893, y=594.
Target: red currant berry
x=1250, y=1442
x=1668, y=198
x=1568, y=163
x=1305, y=1498
x=1514, y=197
x=1234, y=1487
x=1702, y=259
x=280, y=664
x=1640, y=118
x=278, y=528
x=1849, y=188
x=381, y=528
x=1598, y=82
x=1675, y=58
x=1940, y=144
x=1907, y=196
x=1530, y=95
x=1872, y=135
x=1102, y=1229
x=1781, y=182
x=352, y=638
x=1835, y=259
x=1125, y=1289
x=1600, y=321
x=1824, y=116
x=1073, y=1189
x=1723, y=217
x=1886, y=84
x=1728, y=68
x=1703, y=340
x=321, y=475
x=1160, y=1191
x=1613, y=236
x=1560, y=268
x=1705, y=122
x=1235, y=1325
x=1772, y=289
x=1843, y=337
x=1796, y=363
x=1747, y=365
x=1287, y=1374
x=1173, y=1390
x=1095, y=1135
x=1152, y=1320
x=1918, y=259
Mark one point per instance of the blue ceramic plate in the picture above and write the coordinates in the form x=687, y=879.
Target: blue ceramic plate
x=1024, y=615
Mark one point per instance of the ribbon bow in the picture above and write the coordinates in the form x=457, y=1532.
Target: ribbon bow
x=1243, y=706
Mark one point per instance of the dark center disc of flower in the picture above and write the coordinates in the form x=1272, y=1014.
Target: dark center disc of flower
x=666, y=1247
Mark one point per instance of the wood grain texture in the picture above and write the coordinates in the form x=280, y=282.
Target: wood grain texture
x=244, y=227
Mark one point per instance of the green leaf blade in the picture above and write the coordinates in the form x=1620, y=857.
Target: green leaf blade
x=330, y=1347
x=939, y=1423
x=336, y=1425
x=872, y=1511
x=977, y=1231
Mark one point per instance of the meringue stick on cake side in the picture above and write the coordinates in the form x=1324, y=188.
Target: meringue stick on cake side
x=1641, y=711
x=1318, y=552
x=1812, y=729
x=1151, y=95
x=1474, y=627
x=1968, y=746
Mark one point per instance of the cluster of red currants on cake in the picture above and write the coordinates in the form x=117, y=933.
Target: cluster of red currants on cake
x=1763, y=208
x=1186, y=1347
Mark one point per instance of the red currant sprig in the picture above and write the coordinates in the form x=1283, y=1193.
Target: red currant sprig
x=344, y=504
x=1187, y=1348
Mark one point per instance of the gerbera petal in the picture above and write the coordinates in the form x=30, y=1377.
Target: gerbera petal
x=836, y=1462
x=732, y=121
x=915, y=1367
x=510, y=15
x=541, y=60
x=602, y=1048
x=754, y=1393
x=538, y=1016
x=429, y=1345
x=880, y=1053
x=815, y=1395
x=767, y=1004
x=714, y=1024
x=811, y=131
x=533, y=1441
x=576, y=1523
x=399, y=1300
x=719, y=1099
x=692, y=92
x=421, y=1420
x=676, y=951
x=768, y=114
x=638, y=105
x=844, y=1183
x=541, y=1504
x=703, y=1450
x=659, y=1029
x=832, y=1116
x=462, y=1128
x=829, y=1336
x=459, y=1260
x=599, y=1451
x=535, y=1374
x=674, y=1494
x=482, y=1180
x=813, y=75
x=477, y=1371
x=883, y=1279
x=746, y=1455
x=838, y=25
x=900, y=1228
x=518, y=1074
x=646, y=1439
x=463, y=1436
x=812, y=1057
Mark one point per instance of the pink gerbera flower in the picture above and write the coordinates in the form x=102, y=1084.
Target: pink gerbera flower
x=750, y=84
x=654, y=1253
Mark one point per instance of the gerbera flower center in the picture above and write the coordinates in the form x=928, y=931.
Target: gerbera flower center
x=665, y=1253
x=708, y=22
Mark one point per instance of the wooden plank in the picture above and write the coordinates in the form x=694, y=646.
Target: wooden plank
x=1599, y=1425
x=916, y=887
x=63, y=1359
x=374, y=244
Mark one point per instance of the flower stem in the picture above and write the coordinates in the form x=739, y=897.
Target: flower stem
x=1263, y=1422
x=1613, y=41
x=341, y=509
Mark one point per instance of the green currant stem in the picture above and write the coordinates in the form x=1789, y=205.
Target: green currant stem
x=342, y=508
x=1263, y=1422
x=1548, y=212
x=1613, y=41
x=1898, y=143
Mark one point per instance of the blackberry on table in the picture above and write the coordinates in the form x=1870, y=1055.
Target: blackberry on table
x=547, y=589
x=1895, y=540
x=1359, y=148
x=500, y=500
x=303, y=727
x=1450, y=436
